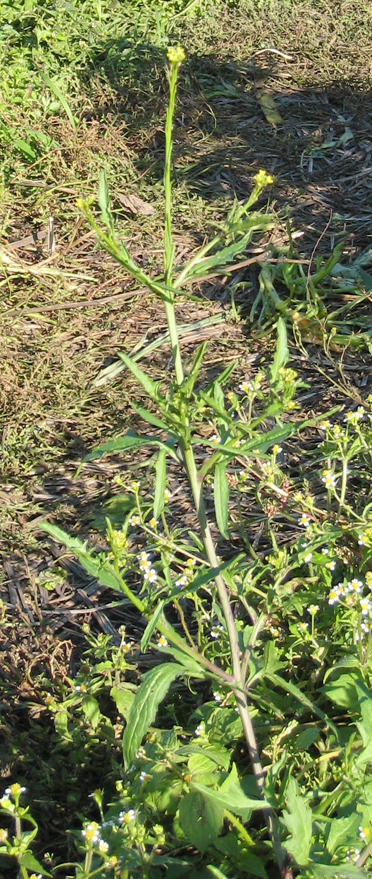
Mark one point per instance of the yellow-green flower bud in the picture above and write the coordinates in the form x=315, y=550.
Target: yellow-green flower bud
x=176, y=54
x=262, y=178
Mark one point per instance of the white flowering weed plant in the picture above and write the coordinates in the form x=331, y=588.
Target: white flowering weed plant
x=247, y=745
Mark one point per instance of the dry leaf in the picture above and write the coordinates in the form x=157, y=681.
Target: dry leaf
x=135, y=205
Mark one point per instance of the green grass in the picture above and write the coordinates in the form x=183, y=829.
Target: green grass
x=83, y=87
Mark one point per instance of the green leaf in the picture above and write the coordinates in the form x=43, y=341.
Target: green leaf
x=25, y=149
x=61, y=724
x=147, y=383
x=342, y=831
x=281, y=354
x=101, y=570
x=297, y=818
x=151, y=626
x=221, y=497
x=28, y=861
x=234, y=799
x=104, y=202
x=123, y=698
x=150, y=417
x=216, y=872
x=219, y=755
x=153, y=689
x=298, y=694
x=131, y=441
x=91, y=709
x=189, y=382
x=57, y=91
x=200, y=819
x=342, y=691
x=339, y=871
x=160, y=483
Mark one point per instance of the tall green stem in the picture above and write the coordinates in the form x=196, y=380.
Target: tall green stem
x=176, y=56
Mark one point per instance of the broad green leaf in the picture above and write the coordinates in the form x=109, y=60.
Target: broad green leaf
x=365, y=725
x=221, y=497
x=153, y=689
x=201, y=765
x=151, y=626
x=131, y=441
x=339, y=871
x=151, y=387
x=297, y=818
x=101, y=570
x=342, y=831
x=61, y=724
x=123, y=698
x=200, y=819
x=91, y=709
x=281, y=356
x=190, y=665
x=160, y=483
x=234, y=799
x=342, y=691
x=220, y=755
x=28, y=861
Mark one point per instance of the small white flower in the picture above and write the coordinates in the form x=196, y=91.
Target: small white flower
x=162, y=642
x=92, y=833
x=355, y=585
x=330, y=565
x=304, y=520
x=126, y=817
x=365, y=606
x=134, y=520
x=328, y=478
x=216, y=631
x=333, y=596
x=217, y=695
x=103, y=846
x=313, y=608
x=144, y=776
x=200, y=729
x=308, y=557
x=246, y=387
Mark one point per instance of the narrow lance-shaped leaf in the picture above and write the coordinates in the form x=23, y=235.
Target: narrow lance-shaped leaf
x=103, y=572
x=151, y=626
x=160, y=483
x=104, y=203
x=147, y=383
x=221, y=497
x=281, y=356
x=151, y=692
x=131, y=441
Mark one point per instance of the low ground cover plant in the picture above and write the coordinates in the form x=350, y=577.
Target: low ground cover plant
x=245, y=746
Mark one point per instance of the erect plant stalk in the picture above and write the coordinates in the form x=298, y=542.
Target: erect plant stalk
x=176, y=56
x=240, y=695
